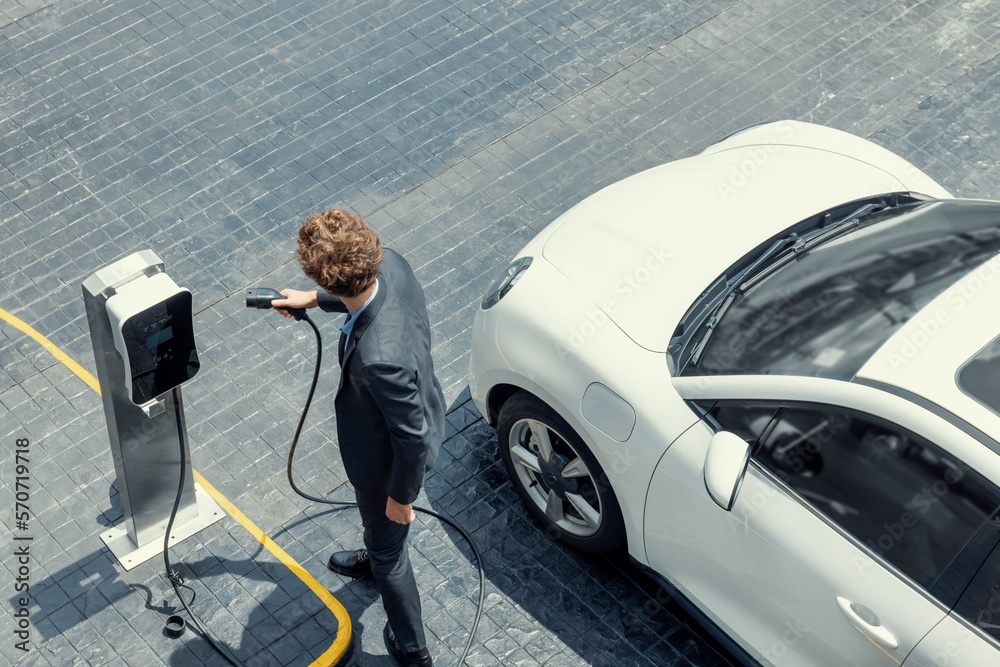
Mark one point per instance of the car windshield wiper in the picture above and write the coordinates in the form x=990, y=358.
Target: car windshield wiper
x=815, y=238
x=736, y=284
x=763, y=266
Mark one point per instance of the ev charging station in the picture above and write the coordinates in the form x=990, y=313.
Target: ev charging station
x=141, y=326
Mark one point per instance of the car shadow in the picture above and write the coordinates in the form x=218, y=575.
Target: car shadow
x=544, y=601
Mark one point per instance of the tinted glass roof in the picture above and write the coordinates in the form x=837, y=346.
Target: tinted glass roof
x=980, y=378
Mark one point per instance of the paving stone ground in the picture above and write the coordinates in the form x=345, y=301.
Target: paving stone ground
x=207, y=129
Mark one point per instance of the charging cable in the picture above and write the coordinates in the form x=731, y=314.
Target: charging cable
x=177, y=581
x=175, y=624
x=301, y=316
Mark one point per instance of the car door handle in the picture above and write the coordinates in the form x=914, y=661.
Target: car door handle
x=867, y=622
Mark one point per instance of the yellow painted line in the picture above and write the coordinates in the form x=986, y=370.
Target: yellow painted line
x=336, y=651
x=332, y=654
x=79, y=370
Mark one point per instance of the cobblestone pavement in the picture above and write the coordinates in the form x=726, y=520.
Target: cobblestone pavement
x=207, y=129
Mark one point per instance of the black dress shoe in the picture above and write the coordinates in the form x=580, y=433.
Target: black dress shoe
x=421, y=658
x=354, y=564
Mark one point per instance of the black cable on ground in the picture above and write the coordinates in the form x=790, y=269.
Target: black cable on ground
x=176, y=580
x=423, y=510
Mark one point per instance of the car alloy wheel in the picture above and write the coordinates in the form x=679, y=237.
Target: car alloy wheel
x=557, y=476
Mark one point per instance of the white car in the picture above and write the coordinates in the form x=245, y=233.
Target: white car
x=773, y=370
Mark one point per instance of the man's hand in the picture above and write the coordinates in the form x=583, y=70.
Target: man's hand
x=403, y=514
x=294, y=299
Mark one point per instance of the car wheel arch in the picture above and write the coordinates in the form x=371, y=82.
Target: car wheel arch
x=613, y=531
x=497, y=396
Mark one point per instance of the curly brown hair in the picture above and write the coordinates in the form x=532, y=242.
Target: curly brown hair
x=339, y=252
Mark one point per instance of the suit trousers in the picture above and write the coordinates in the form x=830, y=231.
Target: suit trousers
x=387, y=548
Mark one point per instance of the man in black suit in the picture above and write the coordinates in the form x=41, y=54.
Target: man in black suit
x=389, y=405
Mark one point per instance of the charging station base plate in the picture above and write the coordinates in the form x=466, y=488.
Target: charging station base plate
x=117, y=540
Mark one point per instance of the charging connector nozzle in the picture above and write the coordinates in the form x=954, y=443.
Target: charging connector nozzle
x=261, y=297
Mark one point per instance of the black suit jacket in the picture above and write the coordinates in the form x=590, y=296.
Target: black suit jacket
x=390, y=407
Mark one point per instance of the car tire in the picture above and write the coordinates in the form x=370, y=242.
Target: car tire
x=566, y=489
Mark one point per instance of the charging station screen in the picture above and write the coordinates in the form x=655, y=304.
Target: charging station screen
x=160, y=345
x=159, y=337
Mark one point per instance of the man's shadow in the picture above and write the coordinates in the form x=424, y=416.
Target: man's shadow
x=265, y=632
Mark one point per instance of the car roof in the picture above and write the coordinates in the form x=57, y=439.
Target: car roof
x=925, y=356
x=644, y=248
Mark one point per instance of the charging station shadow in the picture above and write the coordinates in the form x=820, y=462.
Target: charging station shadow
x=262, y=627
x=75, y=592
x=115, y=512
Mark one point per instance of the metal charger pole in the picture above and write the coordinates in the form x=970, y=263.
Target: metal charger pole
x=142, y=331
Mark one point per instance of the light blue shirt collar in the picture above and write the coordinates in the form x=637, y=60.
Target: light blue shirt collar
x=348, y=326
